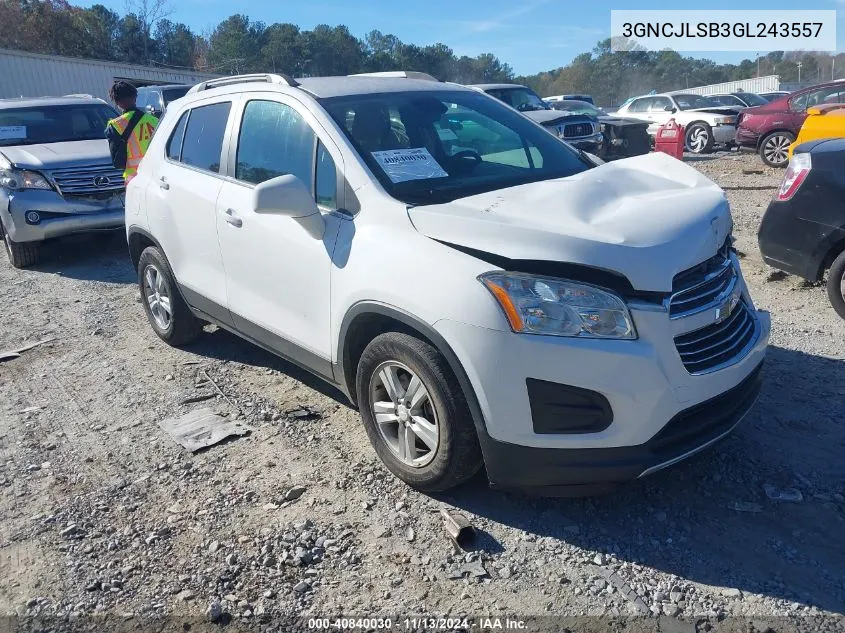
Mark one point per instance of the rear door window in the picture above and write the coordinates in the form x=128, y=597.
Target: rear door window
x=203, y=142
x=174, y=143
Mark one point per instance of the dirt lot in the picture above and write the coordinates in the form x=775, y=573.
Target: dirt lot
x=102, y=515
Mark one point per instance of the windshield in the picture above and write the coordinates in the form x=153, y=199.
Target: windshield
x=752, y=99
x=54, y=124
x=432, y=147
x=171, y=94
x=523, y=99
x=579, y=107
x=692, y=102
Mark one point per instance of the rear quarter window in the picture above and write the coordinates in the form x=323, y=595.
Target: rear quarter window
x=203, y=143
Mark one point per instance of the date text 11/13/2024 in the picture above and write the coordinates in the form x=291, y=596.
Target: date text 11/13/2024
x=418, y=623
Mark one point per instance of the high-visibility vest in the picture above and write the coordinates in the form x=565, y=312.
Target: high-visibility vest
x=138, y=142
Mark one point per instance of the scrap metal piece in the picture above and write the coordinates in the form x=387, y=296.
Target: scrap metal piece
x=10, y=354
x=458, y=528
x=201, y=428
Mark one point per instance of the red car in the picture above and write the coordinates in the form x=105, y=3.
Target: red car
x=771, y=128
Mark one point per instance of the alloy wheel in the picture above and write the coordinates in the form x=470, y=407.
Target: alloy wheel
x=697, y=140
x=158, y=299
x=404, y=414
x=776, y=149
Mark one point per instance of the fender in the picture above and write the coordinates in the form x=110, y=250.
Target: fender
x=344, y=371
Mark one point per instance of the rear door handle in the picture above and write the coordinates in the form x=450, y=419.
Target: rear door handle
x=233, y=219
x=163, y=183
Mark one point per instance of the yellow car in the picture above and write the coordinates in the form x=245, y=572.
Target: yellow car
x=823, y=121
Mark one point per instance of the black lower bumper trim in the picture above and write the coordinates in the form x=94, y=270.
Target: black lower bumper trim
x=575, y=472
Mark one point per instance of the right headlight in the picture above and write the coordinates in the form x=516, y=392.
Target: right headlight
x=557, y=307
x=20, y=179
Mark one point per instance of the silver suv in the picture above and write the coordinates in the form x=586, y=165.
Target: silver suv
x=56, y=175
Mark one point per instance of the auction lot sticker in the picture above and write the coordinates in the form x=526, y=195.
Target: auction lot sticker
x=409, y=164
x=12, y=132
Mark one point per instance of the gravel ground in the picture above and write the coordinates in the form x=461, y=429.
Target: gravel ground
x=107, y=522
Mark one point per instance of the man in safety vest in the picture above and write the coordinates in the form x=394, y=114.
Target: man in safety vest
x=129, y=135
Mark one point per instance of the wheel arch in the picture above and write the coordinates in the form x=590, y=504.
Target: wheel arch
x=367, y=319
x=138, y=240
x=833, y=251
x=766, y=135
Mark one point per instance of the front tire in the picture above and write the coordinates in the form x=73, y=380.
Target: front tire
x=415, y=413
x=699, y=138
x=836, y=284
x=169, y=315
x=774, y=149
x=21, y=254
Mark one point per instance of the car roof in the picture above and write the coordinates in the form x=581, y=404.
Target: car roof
x=497, y=86
x=163, y=86
x=326, y=87
x=32, y=102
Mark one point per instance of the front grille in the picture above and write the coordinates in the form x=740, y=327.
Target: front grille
x=703, y=286
x=707, y=420
x=718, y=344
x=574, y=130
x=94, y=180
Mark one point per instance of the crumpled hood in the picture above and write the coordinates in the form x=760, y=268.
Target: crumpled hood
x=49, y=156
x=547, y=117
x=647, y=218
x=726, y=110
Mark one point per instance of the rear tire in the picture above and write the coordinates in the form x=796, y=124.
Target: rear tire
x=168, y=314
x=774, y=148
x=21, y=254
x=836, y=284
x=441, y=418
x=699, y=139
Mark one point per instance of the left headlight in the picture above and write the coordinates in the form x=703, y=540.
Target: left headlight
x=20, y=179
x=557, y=307
x=725, y=120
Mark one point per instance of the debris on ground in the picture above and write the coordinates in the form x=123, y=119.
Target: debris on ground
x=458, y=527
x=787, y=495
x=202, y=428
x=16, y=353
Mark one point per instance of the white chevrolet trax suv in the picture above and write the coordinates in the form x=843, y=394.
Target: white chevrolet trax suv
x=482, y=291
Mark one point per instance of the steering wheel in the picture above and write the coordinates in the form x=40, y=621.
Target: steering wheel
x=468, y=153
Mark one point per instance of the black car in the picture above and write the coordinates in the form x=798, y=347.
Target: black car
x=739, y=99
x=155, y=99
x=803, y=230
x=622, y=137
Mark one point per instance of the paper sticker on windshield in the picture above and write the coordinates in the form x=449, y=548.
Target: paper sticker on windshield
x=409, y=164
x=447, y=134
x=10, y=132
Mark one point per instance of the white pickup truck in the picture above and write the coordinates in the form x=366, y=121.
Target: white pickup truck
x=706, y=122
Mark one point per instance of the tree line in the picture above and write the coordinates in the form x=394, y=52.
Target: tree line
x=145, y=35
x=238, y=44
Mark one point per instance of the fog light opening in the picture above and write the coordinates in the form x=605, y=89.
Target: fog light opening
x=33, y=217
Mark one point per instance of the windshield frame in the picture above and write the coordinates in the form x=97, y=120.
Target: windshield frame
x=751, y=98
x=427, y=191
x=107, y=111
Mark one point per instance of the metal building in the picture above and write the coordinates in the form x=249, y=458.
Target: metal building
x=32, y=75
x=769, y=83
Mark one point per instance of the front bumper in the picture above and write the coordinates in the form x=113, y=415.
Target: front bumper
x=59, y=216
x=724, y=134
x=746, y=138
x=644, y=381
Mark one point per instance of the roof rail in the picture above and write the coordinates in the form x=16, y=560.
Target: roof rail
x=268, y=78
x=402, y=74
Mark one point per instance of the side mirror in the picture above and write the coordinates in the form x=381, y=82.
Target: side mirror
x=287, y=195
x=669, y=109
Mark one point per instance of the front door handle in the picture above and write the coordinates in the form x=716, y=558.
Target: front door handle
x=233, y=219
x=163, y=183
